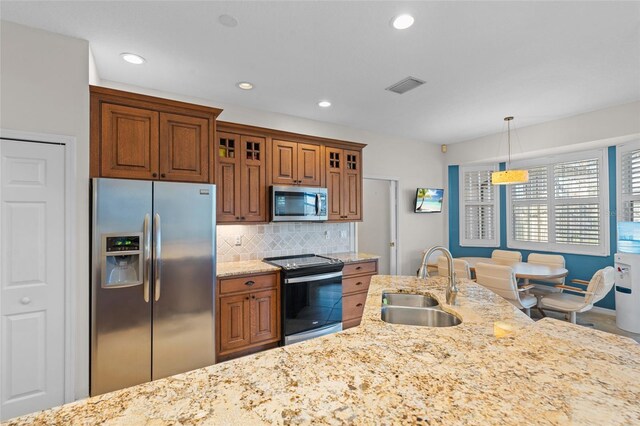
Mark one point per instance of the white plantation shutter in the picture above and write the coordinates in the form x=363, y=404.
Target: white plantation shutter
x=562, y=207
x=576, y=179
x=530, y=218
x=629, y=188
x=479, y=208
x=578, y=224
x=577, y=187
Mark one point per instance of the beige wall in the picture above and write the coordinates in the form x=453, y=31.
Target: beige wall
x=414, y=163
x=604, y=127
x=43, y=89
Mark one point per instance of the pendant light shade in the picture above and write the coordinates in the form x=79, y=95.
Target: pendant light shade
x=509, y=177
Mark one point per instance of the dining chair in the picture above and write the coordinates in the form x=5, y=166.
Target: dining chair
x=506, y=257
x=460, y=267
x=601, y=283
x=502, y=280
x=540, y=288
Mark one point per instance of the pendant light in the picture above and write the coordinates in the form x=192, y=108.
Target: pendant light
x=509, y=177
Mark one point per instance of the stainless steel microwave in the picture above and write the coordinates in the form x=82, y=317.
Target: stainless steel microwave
x=298, y=203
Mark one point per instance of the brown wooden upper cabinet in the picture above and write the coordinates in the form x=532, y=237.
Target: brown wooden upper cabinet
x=294, y=163
x=344, y=183
x=241, y=178
x=143, y=137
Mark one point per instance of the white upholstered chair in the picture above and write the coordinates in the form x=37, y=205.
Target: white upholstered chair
x=552, y=260
x=460, y=267
x=506, y=257
x=501, y=280
x=601, y=284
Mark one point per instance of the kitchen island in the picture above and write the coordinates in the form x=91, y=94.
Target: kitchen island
x=549, y=372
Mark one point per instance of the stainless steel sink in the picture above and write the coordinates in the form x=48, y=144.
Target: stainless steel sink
x=412, y=300
x=426, y=317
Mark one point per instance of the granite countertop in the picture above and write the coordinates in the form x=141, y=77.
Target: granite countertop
x=549, y=372
x=229, y=269
x=243, y=267
x=351, y=257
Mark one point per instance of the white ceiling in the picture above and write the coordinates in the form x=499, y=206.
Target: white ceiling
x=538, y=61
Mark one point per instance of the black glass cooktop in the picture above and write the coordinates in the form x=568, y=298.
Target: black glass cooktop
x=301, y=261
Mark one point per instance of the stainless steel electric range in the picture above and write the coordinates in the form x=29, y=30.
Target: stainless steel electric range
x=311, y=296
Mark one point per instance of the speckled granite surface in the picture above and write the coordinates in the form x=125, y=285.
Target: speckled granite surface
x=550, y=372
x=351, y=257
x=243, y=267
x=229, y=269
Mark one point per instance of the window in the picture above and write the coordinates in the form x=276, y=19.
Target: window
x=479, y=207
x=563, y=207
x=629, y=182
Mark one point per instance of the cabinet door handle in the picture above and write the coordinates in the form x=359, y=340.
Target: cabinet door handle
x=242, y=218
x=162, y=175
x=358, y=268
x=247, y=298
x=249, y=283
x=253, y=296
x=359, y=283
x=358, y=305
x=154, y=175
x=25, y=300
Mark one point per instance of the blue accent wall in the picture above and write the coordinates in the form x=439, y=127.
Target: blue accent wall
x=579, y=266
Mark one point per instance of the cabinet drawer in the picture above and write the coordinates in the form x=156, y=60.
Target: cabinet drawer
x=247, y=283
x=353, y=305
x=351, y=285
x=360, y=268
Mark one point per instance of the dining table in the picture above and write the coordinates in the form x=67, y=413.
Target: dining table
x=523, y=270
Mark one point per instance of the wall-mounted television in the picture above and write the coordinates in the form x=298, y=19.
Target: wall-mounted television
x=429, y=200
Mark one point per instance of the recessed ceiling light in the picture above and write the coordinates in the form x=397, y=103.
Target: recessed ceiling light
x=132, y=58
x=324, y=104
x=245, y=85
x=228, y=21
x=402, y=22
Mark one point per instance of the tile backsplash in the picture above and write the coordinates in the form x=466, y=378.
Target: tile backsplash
x=251, y=242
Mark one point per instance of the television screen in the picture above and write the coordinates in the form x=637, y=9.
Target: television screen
x=429, y=200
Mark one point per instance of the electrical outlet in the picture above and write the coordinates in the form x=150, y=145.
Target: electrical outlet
x=326, y=235
x=238, y=240
x=343, y=234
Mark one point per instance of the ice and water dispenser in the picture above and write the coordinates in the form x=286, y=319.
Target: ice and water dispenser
x=122, y=260
x=627, y=264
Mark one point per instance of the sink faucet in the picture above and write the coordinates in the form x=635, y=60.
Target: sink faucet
x=452, y=288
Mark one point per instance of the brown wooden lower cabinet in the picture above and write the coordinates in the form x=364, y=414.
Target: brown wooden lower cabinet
x=355, y=288
x=247, y=314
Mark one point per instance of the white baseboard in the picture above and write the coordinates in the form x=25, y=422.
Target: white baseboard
x=604, y=311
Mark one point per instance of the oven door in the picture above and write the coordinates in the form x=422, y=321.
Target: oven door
x=312, y=302
x=290, y=204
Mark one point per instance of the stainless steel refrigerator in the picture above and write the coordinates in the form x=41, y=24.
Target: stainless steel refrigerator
x=153, y=279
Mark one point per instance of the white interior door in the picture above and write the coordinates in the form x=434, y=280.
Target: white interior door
x=32, y=263
x=377, y=232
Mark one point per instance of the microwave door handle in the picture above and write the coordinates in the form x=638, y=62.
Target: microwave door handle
x=317, y=204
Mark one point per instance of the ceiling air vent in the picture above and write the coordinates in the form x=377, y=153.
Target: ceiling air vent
x=404, y=85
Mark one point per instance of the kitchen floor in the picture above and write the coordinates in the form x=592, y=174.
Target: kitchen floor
x=596, y=320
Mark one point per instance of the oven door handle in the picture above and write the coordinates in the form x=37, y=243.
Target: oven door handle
x=317, y=204
x=311, y=278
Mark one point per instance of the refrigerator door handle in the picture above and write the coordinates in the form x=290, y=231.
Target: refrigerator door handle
x=147, y=258
x=157, y=256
